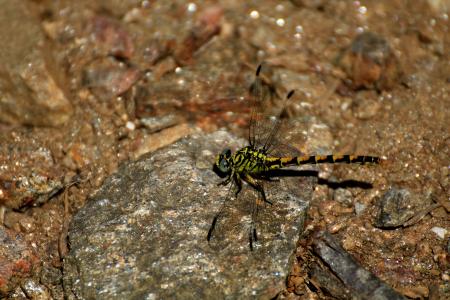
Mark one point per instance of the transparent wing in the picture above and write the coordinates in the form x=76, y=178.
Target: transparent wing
x=234, y=220
x=264, y=126
x=214, y=229
x=261, y=122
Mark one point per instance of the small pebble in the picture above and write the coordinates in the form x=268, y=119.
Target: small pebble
x=336, y=227
x=35, y=290
x=26, y=225
x=397, y=206
x=359, y=208
x=130, y=126
x=440, y=232
x=343, y=196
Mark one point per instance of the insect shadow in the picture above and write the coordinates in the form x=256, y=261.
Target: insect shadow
x=333, y=184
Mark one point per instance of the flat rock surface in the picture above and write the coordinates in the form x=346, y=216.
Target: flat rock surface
x=143, y=234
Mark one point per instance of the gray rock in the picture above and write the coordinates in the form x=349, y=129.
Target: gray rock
x=396, y=207
x=143, y=235
x=362, y=283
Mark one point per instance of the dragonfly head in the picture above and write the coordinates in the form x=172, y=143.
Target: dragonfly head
x=222, y=166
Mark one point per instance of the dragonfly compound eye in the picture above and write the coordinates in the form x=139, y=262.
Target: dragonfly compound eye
x=226, y=153
x=222, y=165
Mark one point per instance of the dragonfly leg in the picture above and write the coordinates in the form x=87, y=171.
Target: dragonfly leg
x=211, y=229
x=238, y=181
x=256, y=185
x=252, y=237
x=225, y=182
x=250, y=240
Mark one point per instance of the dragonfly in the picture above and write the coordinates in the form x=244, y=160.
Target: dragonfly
x=253, y=164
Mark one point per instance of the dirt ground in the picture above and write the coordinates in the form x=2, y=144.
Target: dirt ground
x=112, y=80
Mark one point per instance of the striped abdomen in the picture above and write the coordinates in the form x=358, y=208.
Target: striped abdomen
x=280, y=162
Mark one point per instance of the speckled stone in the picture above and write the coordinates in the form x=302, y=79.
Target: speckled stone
x=18, y=260
x=143, y=235
x=397, y=206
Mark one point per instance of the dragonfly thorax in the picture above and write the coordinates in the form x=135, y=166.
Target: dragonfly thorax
x=246, y=160
x=249, y=160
